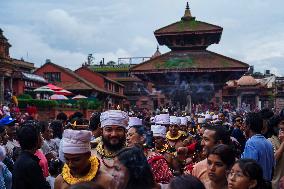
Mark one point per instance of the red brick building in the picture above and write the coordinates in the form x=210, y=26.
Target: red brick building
x=15, y=75
x=140, y=94
x=106, y=90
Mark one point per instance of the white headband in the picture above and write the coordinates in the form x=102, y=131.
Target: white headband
x=76, y=141
x=159, y=130
x=114, y=117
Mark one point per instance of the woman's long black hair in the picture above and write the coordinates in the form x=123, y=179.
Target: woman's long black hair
x=140, y=174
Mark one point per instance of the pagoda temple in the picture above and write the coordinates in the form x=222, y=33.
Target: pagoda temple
x=15, y=75
x=189, y=73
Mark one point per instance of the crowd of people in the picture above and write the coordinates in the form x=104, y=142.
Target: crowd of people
x=113, y=150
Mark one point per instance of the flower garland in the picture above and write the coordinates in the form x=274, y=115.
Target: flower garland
x=164, y=149
x=88, y=177
x=100, y=149
x=169, y=137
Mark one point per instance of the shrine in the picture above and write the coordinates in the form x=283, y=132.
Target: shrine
x=189, y=73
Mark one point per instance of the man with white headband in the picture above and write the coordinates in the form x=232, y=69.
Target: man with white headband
x=183, y=124
x=80, y=166
x=162, y=119
x=114, y=124
x=174, y=135
x=184, y=129
x=159, y=159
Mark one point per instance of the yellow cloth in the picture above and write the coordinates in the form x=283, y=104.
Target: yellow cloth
x=15, y=100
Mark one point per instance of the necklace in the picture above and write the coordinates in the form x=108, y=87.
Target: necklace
x=105, y=164
x=169, y=137
x=88, y=177
x=100, y=149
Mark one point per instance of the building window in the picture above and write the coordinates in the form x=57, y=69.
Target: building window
x=116, y=88
x=52, y=76
x=144, y=102
x=122, y=74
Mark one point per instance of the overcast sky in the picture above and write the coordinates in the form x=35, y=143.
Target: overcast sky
x=66, y=31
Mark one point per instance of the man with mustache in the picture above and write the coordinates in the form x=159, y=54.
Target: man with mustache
x=212, y=136
x=113, y=124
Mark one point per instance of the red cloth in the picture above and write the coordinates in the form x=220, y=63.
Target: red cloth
x=191, y=148
x=32, y=110
x=42, y=163
x=160, y=169
x=281, y=183
x=188, y=168
x=29, y=110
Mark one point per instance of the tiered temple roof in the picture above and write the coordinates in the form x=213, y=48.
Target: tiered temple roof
x=188, y=40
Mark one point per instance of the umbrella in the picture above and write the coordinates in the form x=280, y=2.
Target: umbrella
x=53, y=87
x=79, y=97
x=58, y=97
x=63, y=92
x=44, y=89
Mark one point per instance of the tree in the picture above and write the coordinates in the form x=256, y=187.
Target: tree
x=111, y=63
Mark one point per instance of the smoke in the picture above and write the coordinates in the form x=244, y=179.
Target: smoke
x=177, y=87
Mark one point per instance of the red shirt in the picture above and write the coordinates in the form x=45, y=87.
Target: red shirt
x=43, y=162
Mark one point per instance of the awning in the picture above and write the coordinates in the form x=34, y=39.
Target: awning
x=33, y=77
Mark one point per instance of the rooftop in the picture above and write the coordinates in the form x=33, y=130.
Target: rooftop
x=247, y=80
x=23, y=63
x=81, y=83
x=33, y=77
x=188, y=61
x=107, y=78
x=188, y=24
x=111, y=68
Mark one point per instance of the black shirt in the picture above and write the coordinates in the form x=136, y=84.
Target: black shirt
x=27, y=173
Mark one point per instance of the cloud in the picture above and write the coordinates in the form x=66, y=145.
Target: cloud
x=66, y=32
x=142, y=44
x=111, y=56
x=62, y=28
x=265, y=48
x=38, y=51
x=33, y=49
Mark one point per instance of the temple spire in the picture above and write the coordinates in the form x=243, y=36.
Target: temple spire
x=157, y=53
x=187, y=13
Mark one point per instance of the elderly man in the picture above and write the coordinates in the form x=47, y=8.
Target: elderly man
x=114, y=124
x=80, y=166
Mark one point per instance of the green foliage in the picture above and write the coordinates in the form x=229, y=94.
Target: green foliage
x=114, y=68
x=177, y=63
x=89, y=104
x=185, y=25
x=25, y=96
x=83, y=103
x=38, y=103
x=94, y=104
x=225, y=63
